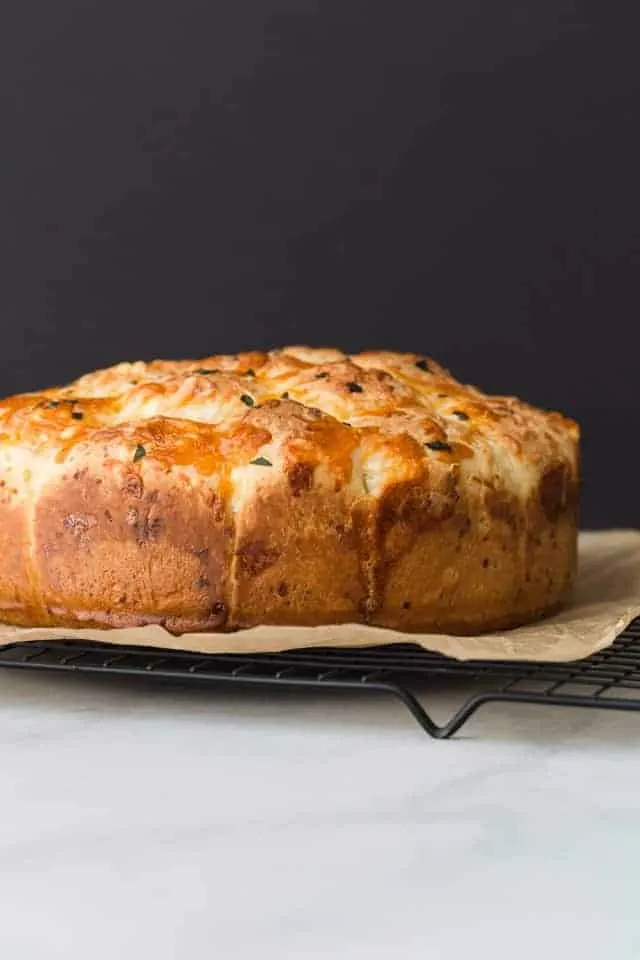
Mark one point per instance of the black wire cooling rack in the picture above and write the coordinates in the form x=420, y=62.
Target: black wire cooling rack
x=607, y=680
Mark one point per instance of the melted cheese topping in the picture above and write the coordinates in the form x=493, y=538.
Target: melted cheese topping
x=374, y=419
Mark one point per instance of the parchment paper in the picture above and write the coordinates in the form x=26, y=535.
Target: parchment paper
x=606, y=599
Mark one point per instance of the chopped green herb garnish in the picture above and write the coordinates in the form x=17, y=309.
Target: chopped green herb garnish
x=261, y=462
x=353, y=387
x=248, y=400
x=439, y=445
x=461, y=415
x=322, y=375
x=422, y=365
x=76, y=415
x=139, y=453
x=250, y=373
x=204, y=371
x=52, y=404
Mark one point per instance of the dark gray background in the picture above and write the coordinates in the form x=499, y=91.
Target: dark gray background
x=181, y=177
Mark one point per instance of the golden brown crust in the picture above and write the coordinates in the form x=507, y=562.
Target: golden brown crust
x=300, y=487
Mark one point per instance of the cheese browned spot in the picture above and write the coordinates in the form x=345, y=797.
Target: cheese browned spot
x=299, y=486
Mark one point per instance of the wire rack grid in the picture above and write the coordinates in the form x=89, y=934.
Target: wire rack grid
x=609, y=679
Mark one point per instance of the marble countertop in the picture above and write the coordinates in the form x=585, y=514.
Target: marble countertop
x=158, y=822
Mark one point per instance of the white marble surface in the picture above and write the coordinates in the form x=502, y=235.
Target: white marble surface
x=149, y=822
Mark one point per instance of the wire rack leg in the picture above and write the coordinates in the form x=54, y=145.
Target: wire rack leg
x=467, y=710
x=437, y=731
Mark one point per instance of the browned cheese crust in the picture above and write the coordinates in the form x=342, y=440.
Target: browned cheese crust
x=299, y=487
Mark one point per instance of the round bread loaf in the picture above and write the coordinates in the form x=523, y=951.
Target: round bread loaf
x=298, y=487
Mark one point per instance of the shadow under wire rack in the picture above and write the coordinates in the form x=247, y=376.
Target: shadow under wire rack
x=609, y=679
